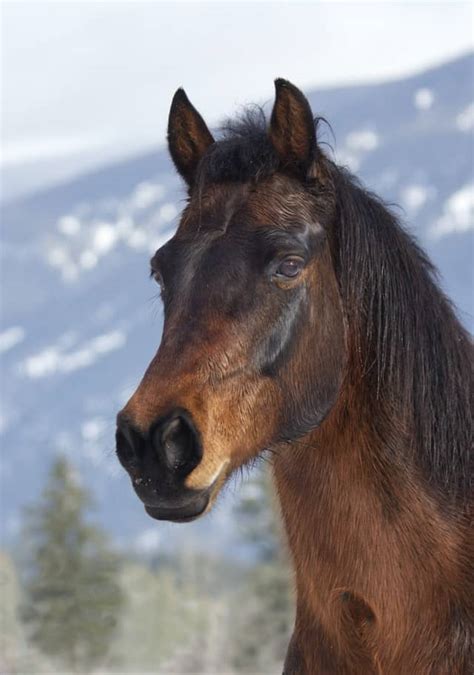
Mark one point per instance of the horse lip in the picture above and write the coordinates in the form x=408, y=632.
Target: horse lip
x=180, y=514
x=184, y=513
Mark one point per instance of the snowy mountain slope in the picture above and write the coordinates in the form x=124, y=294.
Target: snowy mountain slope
x=79, y=322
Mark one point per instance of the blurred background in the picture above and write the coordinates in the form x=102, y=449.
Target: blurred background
x=88, y=582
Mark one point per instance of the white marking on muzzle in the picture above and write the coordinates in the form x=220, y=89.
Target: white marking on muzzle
x=196, y=484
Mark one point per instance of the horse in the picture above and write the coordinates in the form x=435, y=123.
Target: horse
x=301, y=320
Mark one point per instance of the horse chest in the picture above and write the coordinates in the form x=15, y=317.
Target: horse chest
x=364, y=579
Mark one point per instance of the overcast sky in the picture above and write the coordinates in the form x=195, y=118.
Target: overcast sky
x=99, y=76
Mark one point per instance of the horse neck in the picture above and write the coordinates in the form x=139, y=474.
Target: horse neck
x=326, y=480
x=369, y=542
x=354, y=512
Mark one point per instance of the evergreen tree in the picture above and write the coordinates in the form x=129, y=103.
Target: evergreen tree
x=263, y=611
x=258, y=517
x=73, y=597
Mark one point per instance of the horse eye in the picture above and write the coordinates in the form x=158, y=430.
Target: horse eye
x=290, y=267
x=158, y=277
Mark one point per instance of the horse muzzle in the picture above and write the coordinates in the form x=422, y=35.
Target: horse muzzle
x=158, y=463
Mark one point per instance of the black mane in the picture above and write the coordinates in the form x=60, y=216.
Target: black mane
x=415, y=356
x=243, y=152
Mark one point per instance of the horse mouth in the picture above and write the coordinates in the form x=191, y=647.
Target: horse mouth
x=180, y=514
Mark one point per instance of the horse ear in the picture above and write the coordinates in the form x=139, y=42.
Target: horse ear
x=292, y=130
x=188, y=136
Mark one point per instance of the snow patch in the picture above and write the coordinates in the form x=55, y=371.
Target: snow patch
x=465, y=119
x=59, y=256
x=88, y=260
x=69, y=225
x=167, y=213
x=56, y=360
x=104, y=238
x=93, y=428
x=11, y=337
x=458, y=213
x=423, y=98
x=362, y=141
x=79, y=359
x=108, y=342
x=43, y=363
x=67, y=340
x=83, y=240
x=146, y=194
x=137, y=239
x=357, y=144
x=414, y=197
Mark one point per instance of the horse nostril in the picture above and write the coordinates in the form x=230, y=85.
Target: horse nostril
x=176, y=441
x=129, y=444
